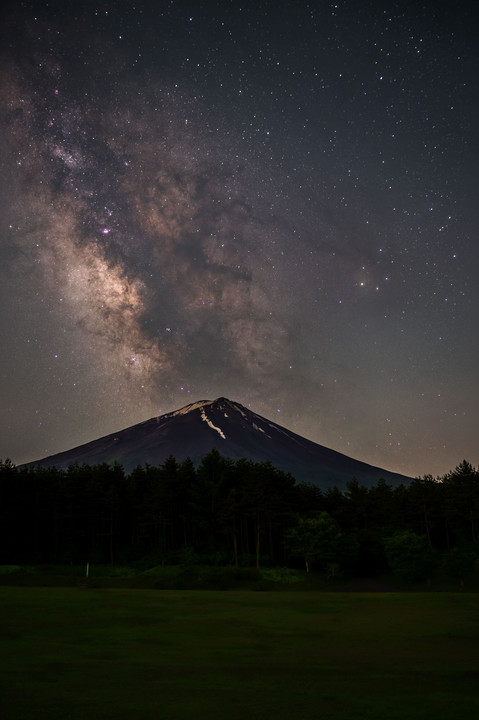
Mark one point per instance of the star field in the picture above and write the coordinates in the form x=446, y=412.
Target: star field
x=273, y=202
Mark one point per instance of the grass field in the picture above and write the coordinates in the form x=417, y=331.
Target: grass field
x=83, y=654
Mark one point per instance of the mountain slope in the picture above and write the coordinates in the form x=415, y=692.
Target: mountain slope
x=236, y=432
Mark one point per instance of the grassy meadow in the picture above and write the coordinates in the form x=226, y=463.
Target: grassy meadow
x=83, y=653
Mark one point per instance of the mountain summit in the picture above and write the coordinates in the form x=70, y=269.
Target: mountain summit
x=236, y=432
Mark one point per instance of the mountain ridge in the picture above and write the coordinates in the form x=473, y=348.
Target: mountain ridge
x=235, y=431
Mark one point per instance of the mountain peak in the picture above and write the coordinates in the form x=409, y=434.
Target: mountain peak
x=220, y=403
x=187, y=408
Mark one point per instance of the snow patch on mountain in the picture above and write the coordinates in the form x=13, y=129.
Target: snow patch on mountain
x=239, y=410
x=255, y=427
x=213, y=427
x=278, y=428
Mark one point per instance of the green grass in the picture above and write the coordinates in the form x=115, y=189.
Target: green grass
x=87, y=654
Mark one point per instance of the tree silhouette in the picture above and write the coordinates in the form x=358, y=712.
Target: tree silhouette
x=314, y=539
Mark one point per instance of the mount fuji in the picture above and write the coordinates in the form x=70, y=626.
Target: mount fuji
x=236, y=432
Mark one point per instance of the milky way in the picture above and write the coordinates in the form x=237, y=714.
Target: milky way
x=270, y=203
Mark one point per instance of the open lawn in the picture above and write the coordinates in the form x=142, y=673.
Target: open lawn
x=83, y=654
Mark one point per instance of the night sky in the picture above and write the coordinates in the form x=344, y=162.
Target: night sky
x=276, y=202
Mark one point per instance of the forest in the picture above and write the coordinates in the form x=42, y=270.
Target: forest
x=240, y=513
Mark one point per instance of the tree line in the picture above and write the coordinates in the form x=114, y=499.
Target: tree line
x=242, y=513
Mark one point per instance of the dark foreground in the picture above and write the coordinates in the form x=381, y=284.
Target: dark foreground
x=83, y=652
